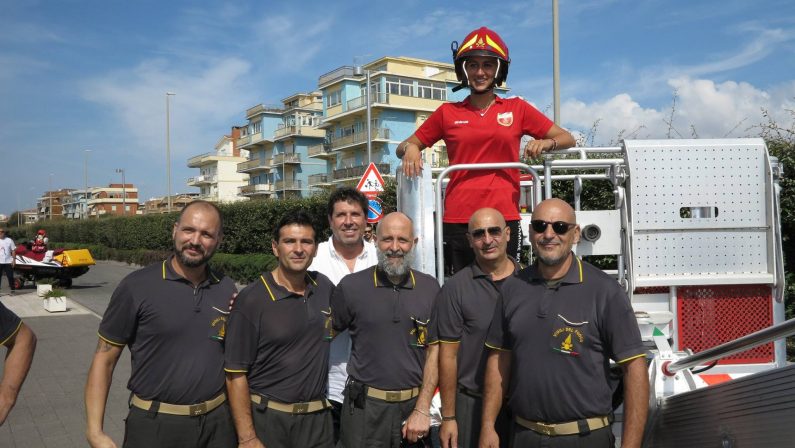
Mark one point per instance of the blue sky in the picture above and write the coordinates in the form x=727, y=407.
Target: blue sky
x=78, y=75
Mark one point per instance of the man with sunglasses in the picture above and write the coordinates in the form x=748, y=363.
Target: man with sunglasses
x=555, y=327
x=463, y=313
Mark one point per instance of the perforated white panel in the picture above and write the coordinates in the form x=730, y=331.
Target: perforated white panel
x=670, y=181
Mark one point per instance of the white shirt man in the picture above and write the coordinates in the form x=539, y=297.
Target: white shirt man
x=344, y=253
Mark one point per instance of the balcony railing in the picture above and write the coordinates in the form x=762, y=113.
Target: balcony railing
x=358, y=171
x=318, y=179
x=253, y=165
x=381, y=97
x=198, y=159
x=339, y=73
x=319, y=150
x=255, y=189
x=288, y=184
x=359, y=137
x=278, y=159
x=203, y=179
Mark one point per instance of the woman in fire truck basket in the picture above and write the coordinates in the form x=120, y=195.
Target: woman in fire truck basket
x=483, y=128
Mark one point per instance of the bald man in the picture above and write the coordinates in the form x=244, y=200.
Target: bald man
x=555, y=328
x=392, y=372
x=462, y=315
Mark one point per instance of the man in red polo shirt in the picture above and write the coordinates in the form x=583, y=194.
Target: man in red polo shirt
x=483, y=128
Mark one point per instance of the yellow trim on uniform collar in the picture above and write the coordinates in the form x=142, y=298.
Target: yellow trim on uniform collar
x=267, y=287
x=310, y=278
x=375, y=278
x=164, y=268
x=579, y=266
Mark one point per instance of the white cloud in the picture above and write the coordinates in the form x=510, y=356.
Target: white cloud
x=711, y=110
x=290, y=43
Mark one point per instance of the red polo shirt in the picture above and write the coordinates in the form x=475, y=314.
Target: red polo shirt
x=492, y=137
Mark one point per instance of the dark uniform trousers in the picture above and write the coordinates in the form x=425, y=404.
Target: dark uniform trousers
x=527, y=438
x=368, y=422
x=468, y=412
x=147, y=429
x=277, y=429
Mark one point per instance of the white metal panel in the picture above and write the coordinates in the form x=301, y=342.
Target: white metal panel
x=670, y=181
x=609, y=223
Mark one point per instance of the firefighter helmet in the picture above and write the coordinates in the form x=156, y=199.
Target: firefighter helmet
x=481, y=42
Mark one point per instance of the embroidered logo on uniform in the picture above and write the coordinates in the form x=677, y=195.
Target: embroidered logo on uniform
x=328, y=329
x=461, y=122
x=505, y=118
x=566, y=340
x=218, y=328
x=419, y=333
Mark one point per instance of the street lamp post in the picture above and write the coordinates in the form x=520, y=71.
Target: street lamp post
x=358, y=71
x=555, y=62
x=168, y=148
x=50, y=194
x=85, y=183
x=123, y=191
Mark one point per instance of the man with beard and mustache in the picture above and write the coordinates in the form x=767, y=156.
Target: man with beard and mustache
x=461, y=318
x=483, y=128
x=555, y=328
x=172, y=315
x=392, y=372
x=277, y=347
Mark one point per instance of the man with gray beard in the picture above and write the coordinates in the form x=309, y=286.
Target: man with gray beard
x=392, y=372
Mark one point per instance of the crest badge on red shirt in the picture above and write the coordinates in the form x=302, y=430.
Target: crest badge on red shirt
x=505, y=119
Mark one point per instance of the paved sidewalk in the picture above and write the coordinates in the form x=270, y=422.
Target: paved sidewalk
x=50, y=410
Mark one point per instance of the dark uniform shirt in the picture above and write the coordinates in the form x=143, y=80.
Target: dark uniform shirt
x=562, y=338
x=9, y=324
x=388, y=325
x=463, y=314
x=281, y=339
x=175, y=332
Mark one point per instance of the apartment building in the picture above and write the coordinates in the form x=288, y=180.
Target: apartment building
x=50, y=204
x=218, y=179
x=75, y=206
x=160, y=205
x=115, y=199
x=403, y=93
x=278, y=139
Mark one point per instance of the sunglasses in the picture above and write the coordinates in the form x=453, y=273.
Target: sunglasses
x=494, y=232
x=559, y=227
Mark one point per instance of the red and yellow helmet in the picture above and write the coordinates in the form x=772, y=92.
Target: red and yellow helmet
x=481, y=42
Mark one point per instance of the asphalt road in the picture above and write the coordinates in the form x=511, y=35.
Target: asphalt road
x=49, y=411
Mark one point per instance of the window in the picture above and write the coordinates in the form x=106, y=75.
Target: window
x=113, y=208
x=432, y=90
x=399, y=86
x=334, y=98
x=256, y=127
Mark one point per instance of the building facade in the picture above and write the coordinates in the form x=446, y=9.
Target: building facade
x=115, y=199
x=50, y=204
x=218, y=179
x=278, y=139
x=160, y=205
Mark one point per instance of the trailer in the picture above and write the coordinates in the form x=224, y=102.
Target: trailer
x=696, y=238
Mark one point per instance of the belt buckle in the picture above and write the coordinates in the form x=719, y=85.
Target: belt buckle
x=393, y=396
x=300, y=408
x=198, y=409
x=546, y=429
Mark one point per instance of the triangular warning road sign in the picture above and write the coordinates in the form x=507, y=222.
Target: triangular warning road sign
x=371, y=182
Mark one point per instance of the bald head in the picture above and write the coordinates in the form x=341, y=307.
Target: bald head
x=554, y=206
x=486, y=217
x=395, y=219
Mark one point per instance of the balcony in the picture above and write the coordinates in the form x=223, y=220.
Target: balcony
x=289, y=157
x=356, y=103
x=358, y=138
x=209, y=197
x=307, y=131
x=356, y=172
x=203, y=159
x=321, y=151
x=343, y=72
x=202, y=180
x=250, y=140
x=288, y=184
x=255, y=190
x=251, y=166
x=319, y=180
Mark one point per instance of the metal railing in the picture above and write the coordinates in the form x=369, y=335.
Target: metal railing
x=358, y=138
x=440, y=203
x=338, y=73
x=256, y=188
x=318, y=150
x=764, y=336
x=197, y=159
x=288, y=184
x=253, y=164
x=317, y=179
x=286, y=158
x=380, y=97
x=358, y=171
